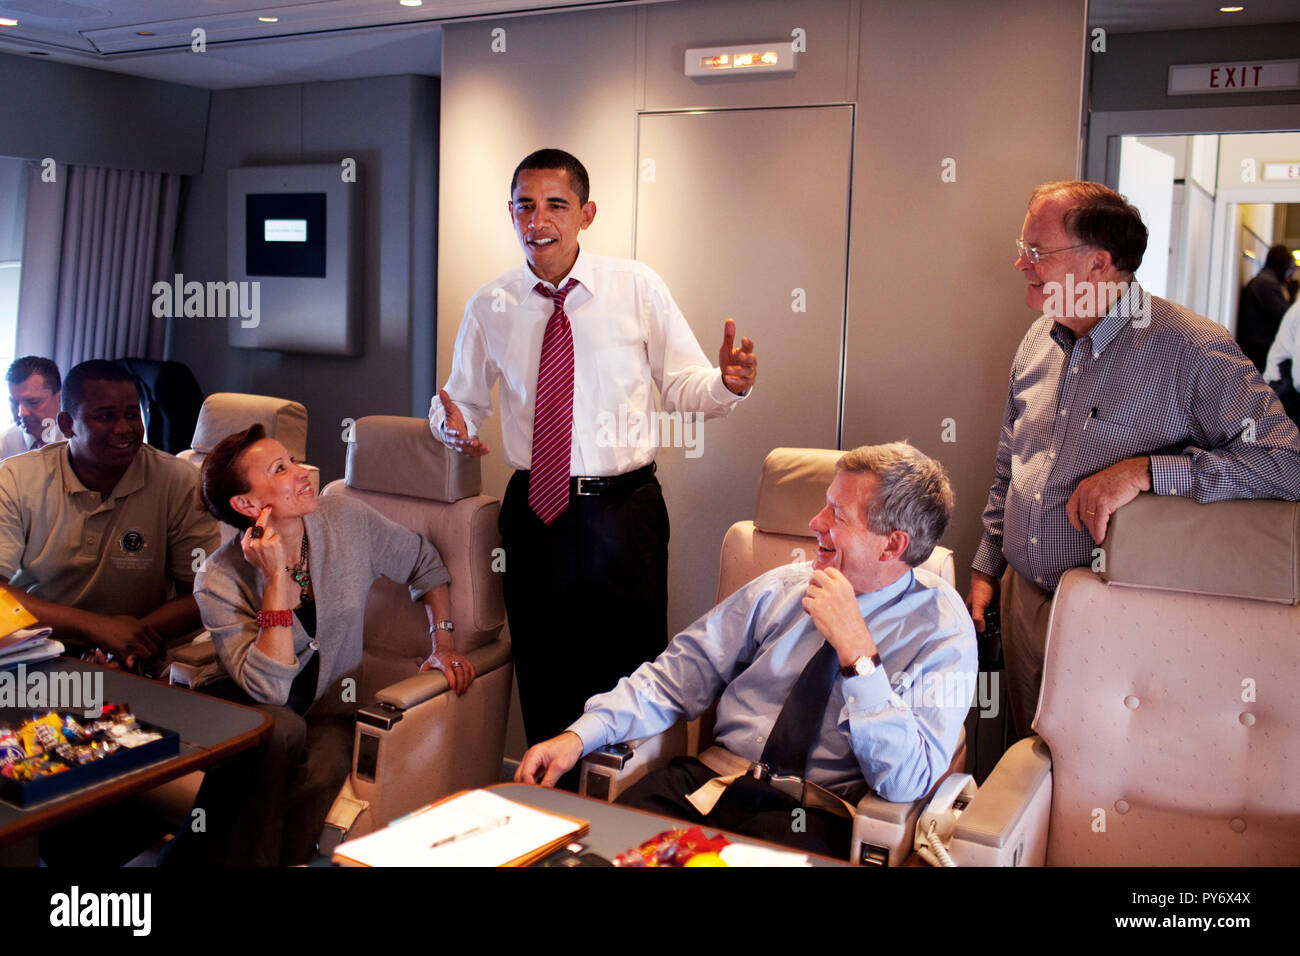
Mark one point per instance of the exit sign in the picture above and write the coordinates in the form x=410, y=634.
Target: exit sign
x=1247, y=76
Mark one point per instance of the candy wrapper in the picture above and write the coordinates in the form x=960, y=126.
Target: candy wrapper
x=673, y=848
x=33, y=767
x=11, y=748
x=41, y=734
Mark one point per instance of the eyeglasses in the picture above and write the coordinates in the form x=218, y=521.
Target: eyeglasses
x=1034, y=254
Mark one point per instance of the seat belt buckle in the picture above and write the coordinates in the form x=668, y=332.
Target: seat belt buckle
x=792, y=787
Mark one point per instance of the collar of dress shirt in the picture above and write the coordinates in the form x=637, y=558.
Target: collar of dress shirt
x=582, y=270
x=1124, y=309
x=873, y=601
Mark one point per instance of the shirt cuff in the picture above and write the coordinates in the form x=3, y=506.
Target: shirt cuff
x=866, y=693
x=1171, y=475
x=719, y=392
x=592, y=731
x=989, y=559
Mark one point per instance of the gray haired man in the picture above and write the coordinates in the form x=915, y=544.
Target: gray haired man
x=840, y=645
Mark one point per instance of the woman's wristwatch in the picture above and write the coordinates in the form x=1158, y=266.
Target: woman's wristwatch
x=437, y=626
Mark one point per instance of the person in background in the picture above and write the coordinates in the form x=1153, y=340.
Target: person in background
x=34, y=395
x=1283, y=355
x=1263, y=302
x=285, y=603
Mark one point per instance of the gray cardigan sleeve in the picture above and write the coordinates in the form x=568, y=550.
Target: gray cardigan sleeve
x=228, y=605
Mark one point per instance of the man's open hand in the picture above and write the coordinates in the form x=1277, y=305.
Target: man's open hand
x=1098, y=496
x=548, y=761
x=455, y=423
x=739, y=365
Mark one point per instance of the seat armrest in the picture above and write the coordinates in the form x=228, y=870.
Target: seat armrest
x=1006, y=823
x=883, y=831
x=418, y=688
x=607, y=772
x=428, y=744
x=198, y=652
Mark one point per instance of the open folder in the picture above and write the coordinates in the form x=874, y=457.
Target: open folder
x=473, y=828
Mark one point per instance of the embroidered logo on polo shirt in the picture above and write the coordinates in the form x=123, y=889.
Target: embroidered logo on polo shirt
x=133, y=552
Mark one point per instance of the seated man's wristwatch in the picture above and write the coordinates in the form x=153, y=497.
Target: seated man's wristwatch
x=861, y=666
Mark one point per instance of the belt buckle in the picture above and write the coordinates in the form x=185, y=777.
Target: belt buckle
x=581, y=487
x=760, y=772
x=791, y=786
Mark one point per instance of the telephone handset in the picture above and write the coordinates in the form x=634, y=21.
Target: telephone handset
x=938, y=820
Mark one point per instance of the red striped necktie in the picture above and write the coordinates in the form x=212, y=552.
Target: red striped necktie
x=548, y=479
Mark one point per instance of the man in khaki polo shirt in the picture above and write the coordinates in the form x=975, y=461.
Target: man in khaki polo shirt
x=100, y=536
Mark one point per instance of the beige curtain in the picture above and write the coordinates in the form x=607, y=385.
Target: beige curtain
x=94, y=242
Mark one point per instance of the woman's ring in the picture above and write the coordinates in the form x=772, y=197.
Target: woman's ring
x=455, y=663
x=256, y=531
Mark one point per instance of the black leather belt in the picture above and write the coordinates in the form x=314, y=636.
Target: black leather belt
x=604, y=484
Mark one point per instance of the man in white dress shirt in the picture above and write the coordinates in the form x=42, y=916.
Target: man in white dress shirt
x=583, y=521
x=34, y=389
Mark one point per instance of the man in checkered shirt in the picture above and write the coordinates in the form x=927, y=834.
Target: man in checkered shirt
x=1112, y=392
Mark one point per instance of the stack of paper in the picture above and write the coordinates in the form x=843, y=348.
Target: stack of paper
x=475, y=828
x=19, y=641
x=28, y=645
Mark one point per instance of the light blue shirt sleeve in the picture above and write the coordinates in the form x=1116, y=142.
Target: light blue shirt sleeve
x=682, y=681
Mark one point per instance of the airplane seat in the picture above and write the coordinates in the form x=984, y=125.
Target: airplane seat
x=171, y=397
x=224, y=413
x=416, y=740
x=1165, y=729
x=792, y=489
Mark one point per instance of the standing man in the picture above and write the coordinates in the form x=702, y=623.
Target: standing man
x=34, y=389
x=1113, y=392
x=571, y=338
x=1263, y=302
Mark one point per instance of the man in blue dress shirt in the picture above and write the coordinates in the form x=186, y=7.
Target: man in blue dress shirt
x=900, y=684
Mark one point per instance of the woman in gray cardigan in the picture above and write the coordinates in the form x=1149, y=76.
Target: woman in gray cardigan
x=285, y=604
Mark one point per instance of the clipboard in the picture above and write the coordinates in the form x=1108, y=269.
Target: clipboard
x=413, y=840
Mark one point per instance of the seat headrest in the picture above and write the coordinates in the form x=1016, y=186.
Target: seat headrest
x=1244, y=549
x=793, y=489
x=392, y=455
x=225, y=413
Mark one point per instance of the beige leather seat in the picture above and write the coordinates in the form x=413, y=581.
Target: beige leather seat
x=791, y=491
x=224, y=413
x=417, y=741
x=1166, y=726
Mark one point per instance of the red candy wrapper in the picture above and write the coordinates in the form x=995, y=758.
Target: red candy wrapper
x=672, y=848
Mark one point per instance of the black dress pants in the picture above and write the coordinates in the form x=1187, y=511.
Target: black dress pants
x=586, y=596
x=747, y=806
